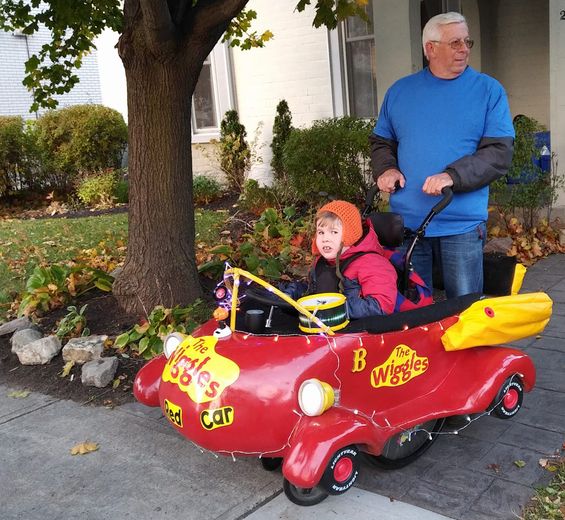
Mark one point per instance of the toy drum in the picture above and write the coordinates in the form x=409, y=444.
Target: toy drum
x=329, y=308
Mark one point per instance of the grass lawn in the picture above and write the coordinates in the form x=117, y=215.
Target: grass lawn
x=24, y=244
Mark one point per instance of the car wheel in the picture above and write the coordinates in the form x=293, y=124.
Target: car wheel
x=271, y=463
x=508, y=400
x=304, y=496
x=405, y=447
x=342, y=471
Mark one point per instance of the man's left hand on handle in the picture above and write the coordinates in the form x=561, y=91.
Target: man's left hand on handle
x=435, y=183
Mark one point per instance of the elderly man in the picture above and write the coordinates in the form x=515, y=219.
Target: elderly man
x=447, y=125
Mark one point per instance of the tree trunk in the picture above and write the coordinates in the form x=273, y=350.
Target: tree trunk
x=163, y=47
x=160, y=267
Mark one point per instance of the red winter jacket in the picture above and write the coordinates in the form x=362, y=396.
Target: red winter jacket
x=373, y=273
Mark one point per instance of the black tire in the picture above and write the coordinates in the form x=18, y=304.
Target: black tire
x=271, y=463
x=405, y=447
x=304, y=496
x=508, y=400
x=342, y=471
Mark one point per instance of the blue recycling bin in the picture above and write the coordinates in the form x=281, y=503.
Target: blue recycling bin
x=543, y=161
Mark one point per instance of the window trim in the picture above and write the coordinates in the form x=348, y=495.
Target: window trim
x=222, y=87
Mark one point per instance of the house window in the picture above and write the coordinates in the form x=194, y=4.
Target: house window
x=213, y=96
x=204, y=106
x=359, y=50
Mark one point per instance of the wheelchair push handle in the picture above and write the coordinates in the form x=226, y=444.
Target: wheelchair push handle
x=370, y=197
x=447, y=193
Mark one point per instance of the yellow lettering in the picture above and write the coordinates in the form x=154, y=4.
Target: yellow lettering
x=359, y=362
x=210, y=419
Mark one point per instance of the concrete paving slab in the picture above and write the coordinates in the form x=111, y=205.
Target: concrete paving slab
x=140, y=471
x=547, y=358
x=356, y=503
x=502, y=501
x=11, y=407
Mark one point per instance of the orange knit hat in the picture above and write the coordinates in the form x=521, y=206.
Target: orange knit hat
x=350, y=221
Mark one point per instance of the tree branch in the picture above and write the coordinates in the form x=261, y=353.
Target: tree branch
x=213, y=16
x=162, y=34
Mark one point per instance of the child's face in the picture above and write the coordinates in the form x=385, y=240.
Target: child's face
x=328, y=238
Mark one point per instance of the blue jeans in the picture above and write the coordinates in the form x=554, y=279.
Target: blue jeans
x=458, y=258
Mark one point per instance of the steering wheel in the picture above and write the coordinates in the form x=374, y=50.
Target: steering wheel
x=269, y=298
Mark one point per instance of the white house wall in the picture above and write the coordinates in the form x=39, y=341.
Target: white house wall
x=294, y=66
x=112, y=74
x=557, y=84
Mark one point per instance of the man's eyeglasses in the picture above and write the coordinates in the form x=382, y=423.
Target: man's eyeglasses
x=458, y=44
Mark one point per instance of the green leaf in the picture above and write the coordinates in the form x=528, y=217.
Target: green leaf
x=143, y=344
x=122, y=340
x=222, y=249
x=103, y=285
x=519, y=463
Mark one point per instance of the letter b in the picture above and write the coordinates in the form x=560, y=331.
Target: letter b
x=359, y=362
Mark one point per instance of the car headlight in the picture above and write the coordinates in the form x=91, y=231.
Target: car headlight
x=171, y=342
x=315, y=397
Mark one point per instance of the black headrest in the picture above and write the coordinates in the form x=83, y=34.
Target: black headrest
x=389, y=228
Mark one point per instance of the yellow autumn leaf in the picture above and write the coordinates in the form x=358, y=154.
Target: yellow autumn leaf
x=266, y=36
x=84, y=447
x=19, y=394
x=67, y=368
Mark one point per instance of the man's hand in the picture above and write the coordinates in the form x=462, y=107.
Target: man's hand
x=435, y=183
x=387, y=181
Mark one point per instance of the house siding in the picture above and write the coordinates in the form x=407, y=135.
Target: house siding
x=294, y=66
x=15, y=99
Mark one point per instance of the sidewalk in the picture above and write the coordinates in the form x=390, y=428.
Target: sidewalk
x=144, y=470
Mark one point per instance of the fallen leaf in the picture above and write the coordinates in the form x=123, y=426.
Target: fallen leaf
x=116, y=382
x=519, y=463
x=67, y=368
x=494, y=467
x=19, y=394
x=84, y=447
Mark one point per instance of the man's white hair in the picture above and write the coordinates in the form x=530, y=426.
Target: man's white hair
x=432, y=30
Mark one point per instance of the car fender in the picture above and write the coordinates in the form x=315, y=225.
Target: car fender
x=147, y=381
x=316, y=439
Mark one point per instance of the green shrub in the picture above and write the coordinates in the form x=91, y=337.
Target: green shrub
x=80, y=138
x=205, y=190
x=235, y=154
x=18, y=157
x=533, y=188
x=102, y=189
x=257, y=199
x=121, y=191
x=282, y=127
x=332, y=156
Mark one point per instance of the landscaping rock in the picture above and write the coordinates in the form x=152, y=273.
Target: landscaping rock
x=99, y=372
x=498, y=245
x=82, y=350
x=38, y=352
x=15, y=325
x=23, y=337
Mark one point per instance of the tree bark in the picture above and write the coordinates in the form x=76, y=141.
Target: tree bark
x=162, y=62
